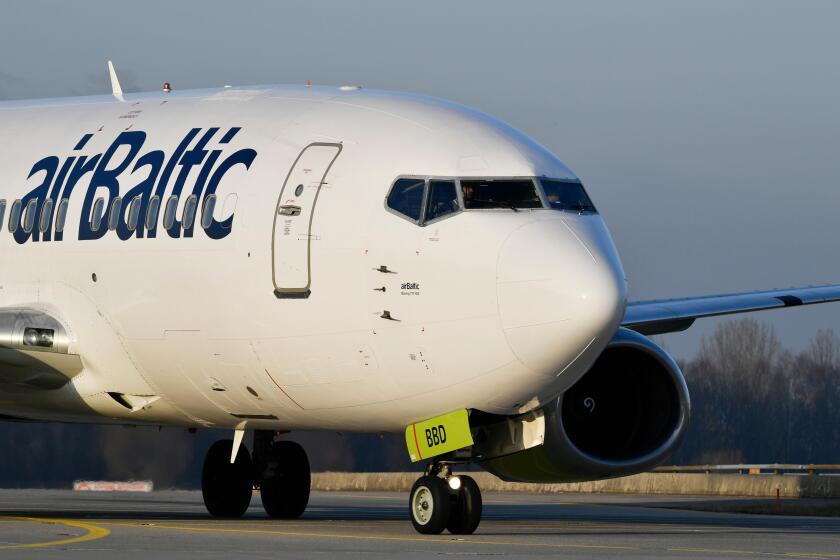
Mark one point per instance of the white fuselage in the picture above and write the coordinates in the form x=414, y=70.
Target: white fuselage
x=495, y=310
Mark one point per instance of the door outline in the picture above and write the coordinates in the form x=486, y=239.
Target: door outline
x=305, y=292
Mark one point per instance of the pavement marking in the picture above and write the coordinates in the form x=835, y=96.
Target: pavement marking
x=94, y=532
x=350, y=523
x=430, y=539
x=728, y=552
x=717, y=551
x=214, y=528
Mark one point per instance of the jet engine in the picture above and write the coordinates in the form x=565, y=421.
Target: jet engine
x=626, y=415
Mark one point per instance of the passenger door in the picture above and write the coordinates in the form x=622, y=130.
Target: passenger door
x=293, y=215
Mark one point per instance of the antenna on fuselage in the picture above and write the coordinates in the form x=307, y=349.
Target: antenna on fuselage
x=116, y=89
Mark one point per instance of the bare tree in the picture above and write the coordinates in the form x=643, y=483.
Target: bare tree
x=754, y=400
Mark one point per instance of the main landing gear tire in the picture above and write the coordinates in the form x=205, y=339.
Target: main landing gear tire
x=429, y=505
x=465, y=510
x=226, y=487
x=284, y=488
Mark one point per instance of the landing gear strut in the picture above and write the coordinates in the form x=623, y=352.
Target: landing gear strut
x=280, y=470
x=440, y=500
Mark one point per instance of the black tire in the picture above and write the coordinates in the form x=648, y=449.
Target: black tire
x=465, y=514
x=226, y=488
x=285, y=490
x=429, y=505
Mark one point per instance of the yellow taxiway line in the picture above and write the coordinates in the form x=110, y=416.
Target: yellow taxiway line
x=94, y=532
x=313, y=534
x=215, y=528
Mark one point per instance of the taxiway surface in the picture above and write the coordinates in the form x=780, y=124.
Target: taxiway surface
x=173, y=525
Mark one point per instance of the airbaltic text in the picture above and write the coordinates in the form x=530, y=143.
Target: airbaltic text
x=150, y=177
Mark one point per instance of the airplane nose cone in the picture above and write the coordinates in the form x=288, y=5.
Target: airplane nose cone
x=562, y=291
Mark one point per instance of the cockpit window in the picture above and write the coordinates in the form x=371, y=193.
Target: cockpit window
x=425, y=200
x=406, y=198
x=500, y=193
x=566, y=195
x=443, y=199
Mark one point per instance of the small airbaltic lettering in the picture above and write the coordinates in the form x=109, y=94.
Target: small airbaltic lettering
x=410, y=289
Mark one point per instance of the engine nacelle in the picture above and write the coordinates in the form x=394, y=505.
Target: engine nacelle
x=626, y=415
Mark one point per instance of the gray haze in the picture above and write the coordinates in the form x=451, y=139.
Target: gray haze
x=707, y=132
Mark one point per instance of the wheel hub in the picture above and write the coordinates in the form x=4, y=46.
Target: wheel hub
x=423, y=504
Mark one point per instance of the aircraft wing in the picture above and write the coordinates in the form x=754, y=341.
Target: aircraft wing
x=674, y=315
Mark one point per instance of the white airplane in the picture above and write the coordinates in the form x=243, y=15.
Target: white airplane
x=280, y=258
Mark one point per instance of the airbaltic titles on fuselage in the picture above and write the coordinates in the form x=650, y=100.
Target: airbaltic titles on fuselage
x=153, y=170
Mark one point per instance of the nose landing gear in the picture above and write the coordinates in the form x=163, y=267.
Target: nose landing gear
x=440, y=500
x=280, y=470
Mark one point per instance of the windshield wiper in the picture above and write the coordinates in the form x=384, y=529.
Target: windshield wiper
x=496, y=203
x=578, y=207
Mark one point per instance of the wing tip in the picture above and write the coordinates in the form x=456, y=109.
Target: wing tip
x=116, y=88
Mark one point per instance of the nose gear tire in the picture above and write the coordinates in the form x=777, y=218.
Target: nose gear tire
x=429, y=505
x=465, y=511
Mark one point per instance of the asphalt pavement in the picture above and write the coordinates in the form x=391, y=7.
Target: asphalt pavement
x=174, y=525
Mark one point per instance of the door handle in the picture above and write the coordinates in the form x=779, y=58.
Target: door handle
x=289, y=210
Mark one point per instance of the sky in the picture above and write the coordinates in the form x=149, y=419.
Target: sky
x=707, y=133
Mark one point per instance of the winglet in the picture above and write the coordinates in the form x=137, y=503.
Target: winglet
x=115, y=82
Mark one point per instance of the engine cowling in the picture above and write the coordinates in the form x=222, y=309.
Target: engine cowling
x=626, y=415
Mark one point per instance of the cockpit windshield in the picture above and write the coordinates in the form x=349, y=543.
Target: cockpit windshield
x=566, y=195
x=500, y=193
x=424, y=200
